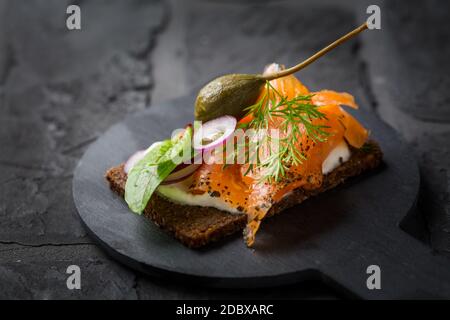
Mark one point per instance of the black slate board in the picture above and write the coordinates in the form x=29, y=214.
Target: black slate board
x=333, y=237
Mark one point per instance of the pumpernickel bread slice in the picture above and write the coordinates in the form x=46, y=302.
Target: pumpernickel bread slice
x=197, y=226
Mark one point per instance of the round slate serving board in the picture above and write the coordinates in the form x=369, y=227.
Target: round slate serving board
x=333, y=237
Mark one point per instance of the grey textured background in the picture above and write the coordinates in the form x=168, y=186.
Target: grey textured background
x=60, y=89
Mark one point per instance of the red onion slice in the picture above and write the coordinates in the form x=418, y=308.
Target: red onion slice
x=181, y=172
x=135, y=158
x=213, y=133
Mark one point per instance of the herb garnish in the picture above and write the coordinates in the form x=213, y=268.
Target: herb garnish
x=296, y=119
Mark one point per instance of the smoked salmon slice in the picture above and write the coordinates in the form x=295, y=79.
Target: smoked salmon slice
x=244, y=190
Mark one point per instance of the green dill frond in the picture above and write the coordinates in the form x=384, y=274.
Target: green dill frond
x=296, y=117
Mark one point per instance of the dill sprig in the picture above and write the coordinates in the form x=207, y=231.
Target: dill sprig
x=295, y=117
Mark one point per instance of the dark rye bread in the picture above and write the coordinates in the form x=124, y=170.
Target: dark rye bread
x=197, y=226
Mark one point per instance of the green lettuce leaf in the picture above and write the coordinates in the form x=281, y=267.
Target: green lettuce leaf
x=160, y=160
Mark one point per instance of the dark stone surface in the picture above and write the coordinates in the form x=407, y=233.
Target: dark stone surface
x=422, y=30
x=408, y=67
x=60, y=90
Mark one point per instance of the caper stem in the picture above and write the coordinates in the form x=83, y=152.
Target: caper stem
x=315, y=56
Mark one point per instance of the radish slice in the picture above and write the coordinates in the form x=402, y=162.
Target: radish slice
x=213, y=133
x=181, y=172
x=135, y=158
